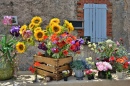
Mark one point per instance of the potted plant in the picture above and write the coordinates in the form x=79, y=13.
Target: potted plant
x=90, y=73
x=104, y=70
x=8, y=50
x=65, y=74
x=78, y=67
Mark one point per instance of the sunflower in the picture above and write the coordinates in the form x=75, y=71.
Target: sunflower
x=55, y=20
x=36, y=29
x=31, y=26
x=20, y=47
x=36, y=20
x=30, y=41
x=39, y=34
x=22, y=29
x=56, y=29
x=66, y=23
x=70, y=27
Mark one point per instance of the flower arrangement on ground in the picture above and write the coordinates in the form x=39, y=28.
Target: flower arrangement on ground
x=90, y=73
x=65, y=74
x=104, y=70
x=9, y=44
x=56, y=40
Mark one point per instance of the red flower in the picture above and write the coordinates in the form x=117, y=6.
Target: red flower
x=65, y=52
x=72, y=47
x=126, y=64
x=45, y=37
x=31, y=69
x=36, y=64
x=77, y=43
x=54, y=38
x=112, y=58
x=56, y=50
x=61, y=44
x=39, y=53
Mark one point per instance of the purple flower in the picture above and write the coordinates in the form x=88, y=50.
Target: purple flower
x=42, y=46
x=73, y=42
x=15, y=31
x=81, y=41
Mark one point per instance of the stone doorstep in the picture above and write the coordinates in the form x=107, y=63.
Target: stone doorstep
x=25, y=79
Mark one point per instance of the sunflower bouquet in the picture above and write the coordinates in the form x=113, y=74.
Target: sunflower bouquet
x=55, y=40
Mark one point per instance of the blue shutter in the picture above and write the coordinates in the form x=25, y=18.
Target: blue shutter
x=95, y=21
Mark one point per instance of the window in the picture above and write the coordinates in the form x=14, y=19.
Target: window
x=95, y=22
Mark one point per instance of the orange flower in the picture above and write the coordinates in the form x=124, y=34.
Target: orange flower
x=69, y=40
x=120, y=60
x=45, y=37
x=54, y=38
x=64, y=35
x=36, y=64
x=125, y=58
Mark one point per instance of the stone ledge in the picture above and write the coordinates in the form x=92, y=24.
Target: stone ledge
x=25, y=79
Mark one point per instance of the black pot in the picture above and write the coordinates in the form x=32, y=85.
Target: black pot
x=102, y=74
x=90, y=77
x=65, y=78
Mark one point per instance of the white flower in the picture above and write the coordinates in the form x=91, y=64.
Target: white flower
x=89, y=45
x=109, y=41
x=90, y=58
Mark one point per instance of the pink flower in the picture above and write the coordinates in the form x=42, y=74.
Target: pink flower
x=7, y=20
x=117, y=43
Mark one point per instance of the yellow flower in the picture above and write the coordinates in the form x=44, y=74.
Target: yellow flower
x=56, y=28
x=20, y=47
x=36, y=29
x=22, y=29
x=70, y=27
x=30, y=41
x=36, y=20
x=55, y=20
x=39, y=35
x=66, y=22
x=31, y=26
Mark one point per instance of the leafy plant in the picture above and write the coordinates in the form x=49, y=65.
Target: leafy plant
x=77, y=64
x=7, y=46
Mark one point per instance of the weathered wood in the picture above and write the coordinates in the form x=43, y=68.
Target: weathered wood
x=53, y=67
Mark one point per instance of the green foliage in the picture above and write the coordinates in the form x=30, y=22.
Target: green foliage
x=106, y=48
x=77, y=64
x=7, y=47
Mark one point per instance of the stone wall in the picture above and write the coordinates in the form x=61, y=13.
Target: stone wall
x=63, y=9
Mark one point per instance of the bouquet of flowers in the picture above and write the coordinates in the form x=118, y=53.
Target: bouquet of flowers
x=90, y=73
x=103, y=68
x=56, y=40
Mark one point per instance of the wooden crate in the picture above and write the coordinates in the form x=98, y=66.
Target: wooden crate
x=53, y=67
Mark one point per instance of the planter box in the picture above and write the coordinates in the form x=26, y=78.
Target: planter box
x=53, y=67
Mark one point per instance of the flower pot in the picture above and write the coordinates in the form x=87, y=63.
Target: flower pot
x=102, y=74
x=90, y=77
x=119, y=75
x=79, y=74
x=65, y=78
x=6, y=71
